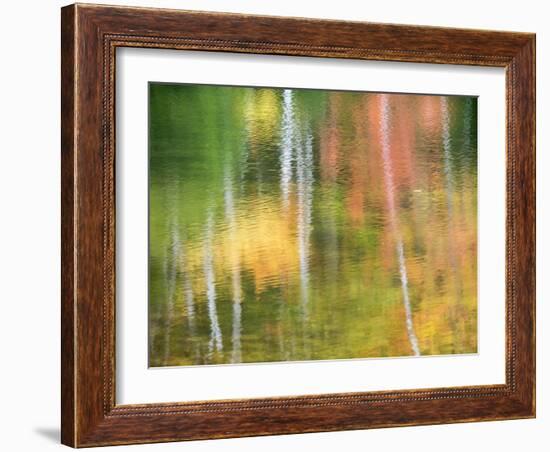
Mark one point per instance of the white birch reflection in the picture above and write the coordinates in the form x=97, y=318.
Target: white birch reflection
x=304, y=188
x=187, y=287
x=449, y=168
x=234, y=264
x=209, y=276
x=171, y=276
x=287, y=143
x=447, y=156
x=393, y=220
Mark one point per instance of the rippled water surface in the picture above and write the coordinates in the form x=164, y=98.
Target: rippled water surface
x=291, y=224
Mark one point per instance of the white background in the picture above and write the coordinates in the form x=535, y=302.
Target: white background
x=29, y=183
x=138, y=384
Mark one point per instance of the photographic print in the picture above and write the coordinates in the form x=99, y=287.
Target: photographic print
x=304, y=224
x=279, y=225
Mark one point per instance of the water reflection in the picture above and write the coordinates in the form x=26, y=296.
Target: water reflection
x=392, y=218
x=299, y=224
x=234, y=265
x=215, y=332
x=304, y=179
x=287, y=145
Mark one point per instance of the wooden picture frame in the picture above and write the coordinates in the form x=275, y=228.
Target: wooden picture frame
x=90, y=36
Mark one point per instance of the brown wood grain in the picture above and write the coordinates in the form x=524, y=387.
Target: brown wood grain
x=67, y=226
x=90, y=36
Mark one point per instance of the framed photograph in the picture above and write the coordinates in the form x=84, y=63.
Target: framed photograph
x=280, y=225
